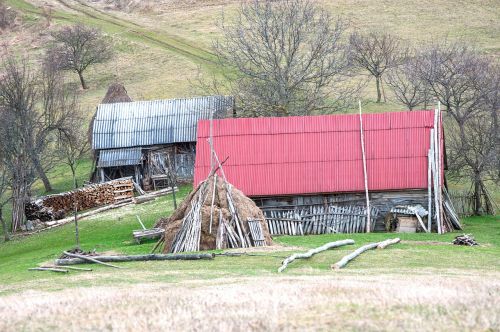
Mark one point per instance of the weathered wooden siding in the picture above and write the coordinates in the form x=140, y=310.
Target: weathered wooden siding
x=383, y=201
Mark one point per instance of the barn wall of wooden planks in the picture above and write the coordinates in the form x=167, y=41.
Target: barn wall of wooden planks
x=382, y=202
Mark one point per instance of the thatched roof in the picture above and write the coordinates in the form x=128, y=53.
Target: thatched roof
x=116, y=94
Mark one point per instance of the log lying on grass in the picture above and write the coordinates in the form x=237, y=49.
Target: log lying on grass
x=90, y=259
x=312, y=252
x=134, y=258
x=346, y=259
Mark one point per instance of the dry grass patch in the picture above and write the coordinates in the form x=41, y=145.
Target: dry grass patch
x=342, y=302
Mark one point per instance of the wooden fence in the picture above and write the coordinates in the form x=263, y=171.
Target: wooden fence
x=316, y=219
x=464, y=203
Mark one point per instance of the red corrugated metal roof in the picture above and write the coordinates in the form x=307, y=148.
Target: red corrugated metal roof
x=318, y=154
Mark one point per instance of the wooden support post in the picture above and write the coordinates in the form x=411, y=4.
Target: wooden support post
x=365, y=172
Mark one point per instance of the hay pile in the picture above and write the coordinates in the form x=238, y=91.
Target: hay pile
x=191, y=228
x=116, y=94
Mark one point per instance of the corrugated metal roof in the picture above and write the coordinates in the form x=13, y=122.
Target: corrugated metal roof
x=119, y=157
x=144, y=123
x=319, y=154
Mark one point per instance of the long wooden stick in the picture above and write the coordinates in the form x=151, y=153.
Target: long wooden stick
x=365, y=172
x=48, y=269
x=68, y=267
x=135, y=258
x=90, y=259
x=346, y=259
x=312, y=252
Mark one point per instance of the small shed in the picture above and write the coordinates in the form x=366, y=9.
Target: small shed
x=150, y=139
x=291, y=162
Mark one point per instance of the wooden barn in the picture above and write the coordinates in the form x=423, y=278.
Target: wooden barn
x=312, y=168
x=149, y=140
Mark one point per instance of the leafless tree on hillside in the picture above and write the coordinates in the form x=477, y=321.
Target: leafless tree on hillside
x=466, y=84
x=35, y=108
x=78, y=47
x=285, y=58
x=7, y=16
x=72, y=147
x=4, y=198
x=406, y=85
x=376, y=53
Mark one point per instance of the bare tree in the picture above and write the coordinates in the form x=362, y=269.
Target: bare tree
x=78, y=47
x=284, y=58
x=376, y=53
x=73, y=146
x=34, y=108
x=466, y=83
x=406, y=85
x=4, y=198
x=7, y=16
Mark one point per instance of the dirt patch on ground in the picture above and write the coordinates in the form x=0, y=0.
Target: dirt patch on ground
x=427, y=243
x=340, y=302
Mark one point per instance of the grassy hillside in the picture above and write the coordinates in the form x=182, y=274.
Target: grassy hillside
x=163, y=47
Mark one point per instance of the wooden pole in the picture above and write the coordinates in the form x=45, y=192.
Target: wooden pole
x=440, y=169
x=365, y=173
x=429, y=184
x=436, y=172
x=48, y=269
x=312, y=252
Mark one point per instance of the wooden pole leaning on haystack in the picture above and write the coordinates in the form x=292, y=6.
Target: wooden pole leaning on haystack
x=365, y=172
x=313, y=252
x=346, y=259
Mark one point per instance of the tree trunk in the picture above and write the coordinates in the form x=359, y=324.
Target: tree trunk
x=379, y=93
x=4, y=227
x=477, y=195
x=75, y=207
x=41, y=172
x=82, y=81
x=18, y=202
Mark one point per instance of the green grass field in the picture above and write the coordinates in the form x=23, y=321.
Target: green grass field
x=423, y=283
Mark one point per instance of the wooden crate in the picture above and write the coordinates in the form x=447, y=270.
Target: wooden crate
x=407, y=224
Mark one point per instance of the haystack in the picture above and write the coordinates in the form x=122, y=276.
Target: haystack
x=215, y=215
x=116, y=94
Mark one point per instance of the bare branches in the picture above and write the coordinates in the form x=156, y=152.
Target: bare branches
x=78, y=47
x=283, y=58
x=34, y=107
x=407, y=86
x=376, y=53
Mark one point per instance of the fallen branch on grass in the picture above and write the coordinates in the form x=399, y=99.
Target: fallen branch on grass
x=88, y=259
x=312, y=252
x=346, y=259
x=48, y=269
x=68, y=267
x=134, y=258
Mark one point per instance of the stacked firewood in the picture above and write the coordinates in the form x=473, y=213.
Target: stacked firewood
x=465, y=240
x=54, y=207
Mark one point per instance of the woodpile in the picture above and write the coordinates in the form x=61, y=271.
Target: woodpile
x=55, y=207
x=214, y=216
x=465, y=240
